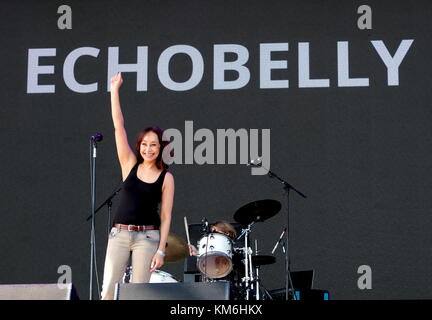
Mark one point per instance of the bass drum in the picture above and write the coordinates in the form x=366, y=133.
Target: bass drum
x=215, y=255
x=158, y=276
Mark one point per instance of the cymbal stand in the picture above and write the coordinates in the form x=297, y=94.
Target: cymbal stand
x=248, y=278
x=259, y=288
x=257, y=279
x=252, y=279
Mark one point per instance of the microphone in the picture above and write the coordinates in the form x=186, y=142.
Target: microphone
x=255, y=163
x=97, y=137
x=280, y=239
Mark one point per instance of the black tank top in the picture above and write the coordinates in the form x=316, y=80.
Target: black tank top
x=139, y=200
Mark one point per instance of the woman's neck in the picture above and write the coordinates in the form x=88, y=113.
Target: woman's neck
x=148, y=165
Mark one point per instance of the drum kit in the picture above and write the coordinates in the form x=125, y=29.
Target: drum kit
x=223, y=258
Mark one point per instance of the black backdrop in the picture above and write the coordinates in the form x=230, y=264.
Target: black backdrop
x=362, y=155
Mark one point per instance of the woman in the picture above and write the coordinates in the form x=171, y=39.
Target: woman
x=137, y=225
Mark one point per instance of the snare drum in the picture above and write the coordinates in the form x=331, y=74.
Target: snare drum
x=215, y=255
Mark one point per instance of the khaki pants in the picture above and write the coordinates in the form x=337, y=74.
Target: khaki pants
x=143, y=246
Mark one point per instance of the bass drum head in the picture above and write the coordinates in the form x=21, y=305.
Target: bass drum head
x=215, y=264
x=159, y=276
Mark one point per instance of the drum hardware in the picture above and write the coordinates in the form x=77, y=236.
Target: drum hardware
x=289, y=283
x=248, y=278
x=257, y=279
x=204, y=272
x=251, y=285
x=258, y=261
x=249, y=214
x=252, y=279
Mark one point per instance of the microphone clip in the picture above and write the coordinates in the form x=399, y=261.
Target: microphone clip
x=97, y=137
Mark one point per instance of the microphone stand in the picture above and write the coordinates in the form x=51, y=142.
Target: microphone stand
x=93, y=146
x=287, y=187
x=107, y=202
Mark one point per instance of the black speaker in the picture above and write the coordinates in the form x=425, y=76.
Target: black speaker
x=173, y=291
x=38, y=292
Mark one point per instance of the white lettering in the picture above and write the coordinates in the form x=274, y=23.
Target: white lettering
x=304, y=65
x=267, y=65
x=343, y=68
x=220, y=66
x=69, y=66
x=140, y=67
x=197, y=68
x=34, y=70
x=392, y=63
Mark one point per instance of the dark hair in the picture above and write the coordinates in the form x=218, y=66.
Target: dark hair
x=160, y=164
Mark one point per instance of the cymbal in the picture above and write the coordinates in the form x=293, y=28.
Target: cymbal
x=176, y=249
x=263, y=260
x=257, y=211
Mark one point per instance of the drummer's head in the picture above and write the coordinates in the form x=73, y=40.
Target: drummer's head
x=224, y=228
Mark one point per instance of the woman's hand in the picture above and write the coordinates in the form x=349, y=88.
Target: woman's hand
x=192, y=250
x=157, y=262
x=116, y=81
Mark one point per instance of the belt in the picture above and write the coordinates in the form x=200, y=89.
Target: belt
x=131, y=227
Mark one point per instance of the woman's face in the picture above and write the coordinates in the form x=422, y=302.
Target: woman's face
x=150, y=146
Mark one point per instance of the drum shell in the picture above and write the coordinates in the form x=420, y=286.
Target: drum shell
x=215, y=252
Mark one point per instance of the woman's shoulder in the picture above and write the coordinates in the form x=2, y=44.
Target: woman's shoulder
x=168, y=178
x=168, y=175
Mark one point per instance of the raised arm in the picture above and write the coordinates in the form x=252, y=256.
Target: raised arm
x=125, y=154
